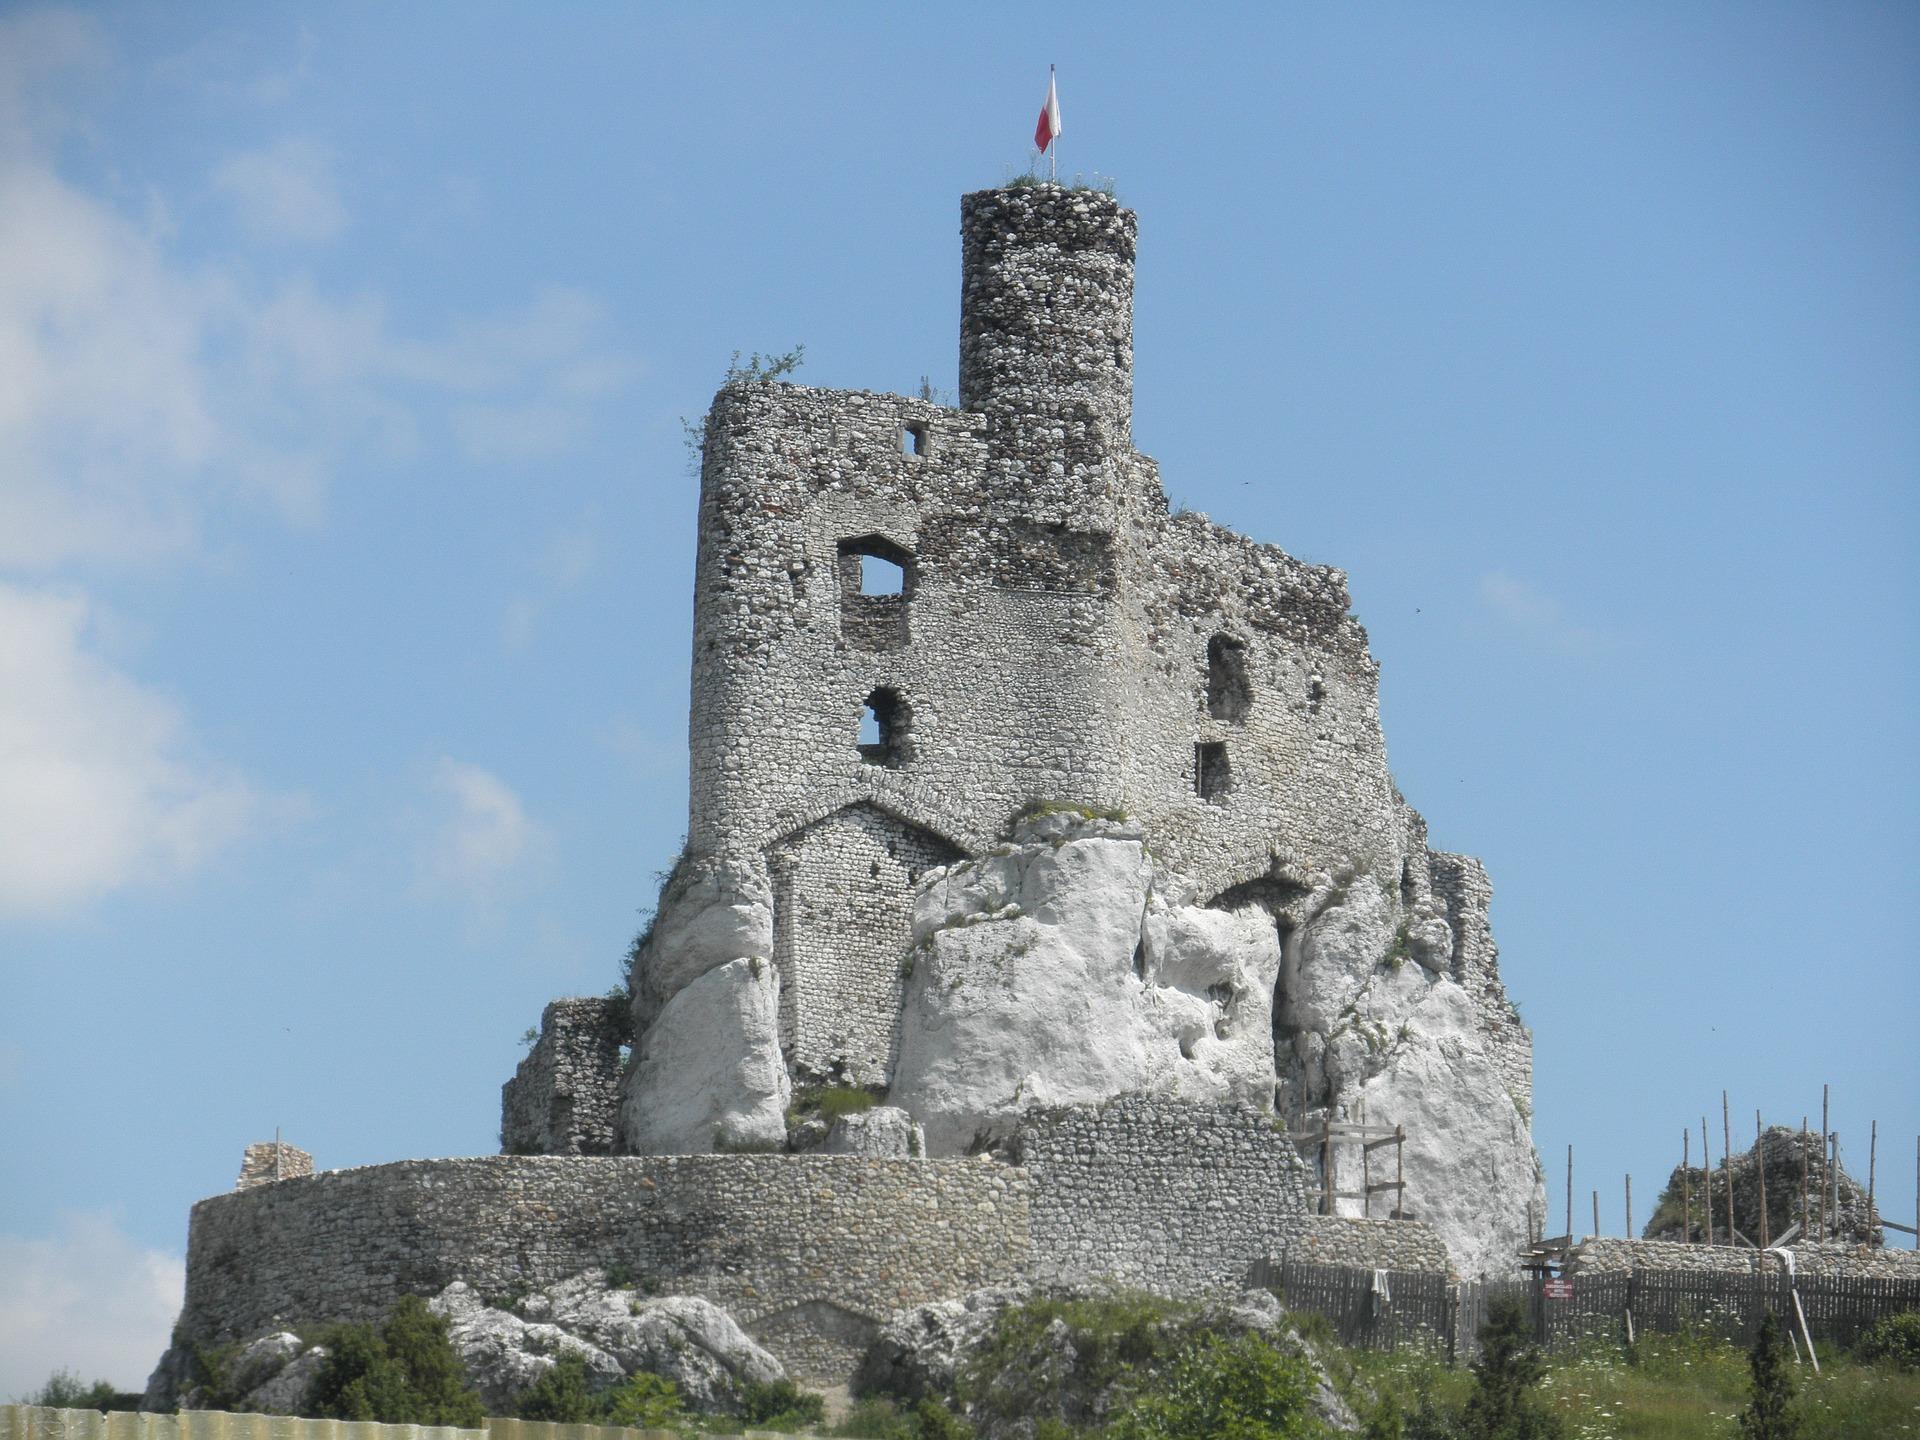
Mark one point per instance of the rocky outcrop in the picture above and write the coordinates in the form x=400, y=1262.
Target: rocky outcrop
x=1051, y=973
x=885, y=1130
x=616, y=1332
x=708, y=1074
x=1063, y=969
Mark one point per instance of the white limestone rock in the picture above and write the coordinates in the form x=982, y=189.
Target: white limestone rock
x=714, y=911
x=885, y=1130
x=1050, y=974
x=504, y=1354
x=685, y=1339
x=258, y=1361
x=285, y=1392
x=708, y=1073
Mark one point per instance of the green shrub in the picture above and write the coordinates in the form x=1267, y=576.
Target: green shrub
x=780, y=1405
x=1892, y=1340
x=644, y=1401
x=65, y=1390
x=406, y=1372
x=1770, y=1413
x=1505, y=1403
x=1224, y=1389
x=560, y=1394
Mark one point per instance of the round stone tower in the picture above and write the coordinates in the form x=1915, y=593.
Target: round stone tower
x=1046, y=306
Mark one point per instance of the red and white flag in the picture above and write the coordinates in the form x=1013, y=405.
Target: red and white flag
x=1048, y=129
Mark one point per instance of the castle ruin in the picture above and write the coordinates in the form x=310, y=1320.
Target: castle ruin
x=1059, y=823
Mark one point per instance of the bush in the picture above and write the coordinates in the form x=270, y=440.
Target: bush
x=406, y=1372
x=878, y=1419
x=780, y=1405
x=561, y=1395
x=1892, y=1340
x=1770, y=1414
x=644, y=1401
x=65, y=1390
x=1504, y=1404
x=1221, y=1389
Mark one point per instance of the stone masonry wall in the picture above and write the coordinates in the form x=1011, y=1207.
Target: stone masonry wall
x=1159, y=1193
x=843, y=903
x=808, y=1252
x=564, y=1099
x=270, y=1162
x=1370, y=1244
x=1605, y=1254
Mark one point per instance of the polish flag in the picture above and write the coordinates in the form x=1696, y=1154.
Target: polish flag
x=1048, y=129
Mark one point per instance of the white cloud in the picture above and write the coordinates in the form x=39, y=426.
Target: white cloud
x=97, y=786
x=90, y=1299
x=564, y=563
x=141, y=391
x=1538, y=617
x=483, y=839
x=285, y=191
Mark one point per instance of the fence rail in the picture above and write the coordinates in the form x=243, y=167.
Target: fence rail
x=1389, y=1309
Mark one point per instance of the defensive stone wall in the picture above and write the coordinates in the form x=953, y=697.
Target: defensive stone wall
x=1370, y=1244
x=1158, y=1193
x=1865, y=1261
x=564, y=1099
x=1462, y=882
x=809, y=1253
x=274, y=1160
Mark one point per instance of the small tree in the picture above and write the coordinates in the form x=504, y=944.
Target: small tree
x=560, y=1394
x=65, y=1390
x=1504, y=1404
x=406, y=1372
x=1770, y=1414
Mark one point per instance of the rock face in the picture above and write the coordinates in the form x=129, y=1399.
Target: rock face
x=1059, y=971
x=1051, y=974
x=269, y=1375
x=708, y=1073
x=884, y=1130
x=616, y=1332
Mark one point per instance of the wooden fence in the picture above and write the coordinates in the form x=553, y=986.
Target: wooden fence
x=1386, y=1310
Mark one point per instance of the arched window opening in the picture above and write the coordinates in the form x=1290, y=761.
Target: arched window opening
x=884, y=727
x=1229, y=691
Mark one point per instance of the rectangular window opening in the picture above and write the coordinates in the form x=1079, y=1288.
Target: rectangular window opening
x=1211, y=776
x=913, y=440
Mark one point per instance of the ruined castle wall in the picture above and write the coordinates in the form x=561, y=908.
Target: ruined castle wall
x=1159, y=1193
x=1462, y=882
x=564, y=1098
x=807, y=1252
x=843, y=906
x=1612, y=1254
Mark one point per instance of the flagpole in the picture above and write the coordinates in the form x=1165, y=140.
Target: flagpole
x=1053, y=150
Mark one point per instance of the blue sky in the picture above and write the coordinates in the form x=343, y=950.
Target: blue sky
x=346, y=525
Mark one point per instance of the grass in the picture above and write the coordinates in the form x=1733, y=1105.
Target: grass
x=1672, y=1387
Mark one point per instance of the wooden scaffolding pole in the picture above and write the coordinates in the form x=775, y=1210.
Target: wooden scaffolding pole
x=1686, y=1189
x=1726, y=1158
x=1760, y=1164
x=1706, y=1174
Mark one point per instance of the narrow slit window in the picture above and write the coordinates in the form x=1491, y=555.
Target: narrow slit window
x=1229, y=691
x=1211, y=775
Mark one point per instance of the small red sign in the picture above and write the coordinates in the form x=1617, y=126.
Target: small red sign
x=1558, y=1290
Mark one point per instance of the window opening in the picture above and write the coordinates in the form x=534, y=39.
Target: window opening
x=1229, y=691
x=881, y=576
x=1211, y=777
x=913, y=440
x=883, y=728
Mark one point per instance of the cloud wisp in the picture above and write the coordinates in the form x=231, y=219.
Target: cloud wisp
x=287, y=191
x=88, y=1298
x=481, y=841
x=1524, y=610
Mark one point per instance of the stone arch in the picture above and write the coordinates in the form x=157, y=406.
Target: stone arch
x=818, y=1339
x=842, y=923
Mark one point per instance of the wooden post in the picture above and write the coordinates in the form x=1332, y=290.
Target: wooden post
x=1706, y=1174
x=1366, y=1169
x=1833, y=1179
x=1873, y=1151
x=1824, y=1125
x=1804, y=1233
x=1726, y=1159
x=1400, y=1174
x=1629, y=1207
x=1686, y=1189
x=1760, y=1164
x=1596, y=1214
x=1916, y=1194
x=1326, y=1163
x=1569, y=1194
